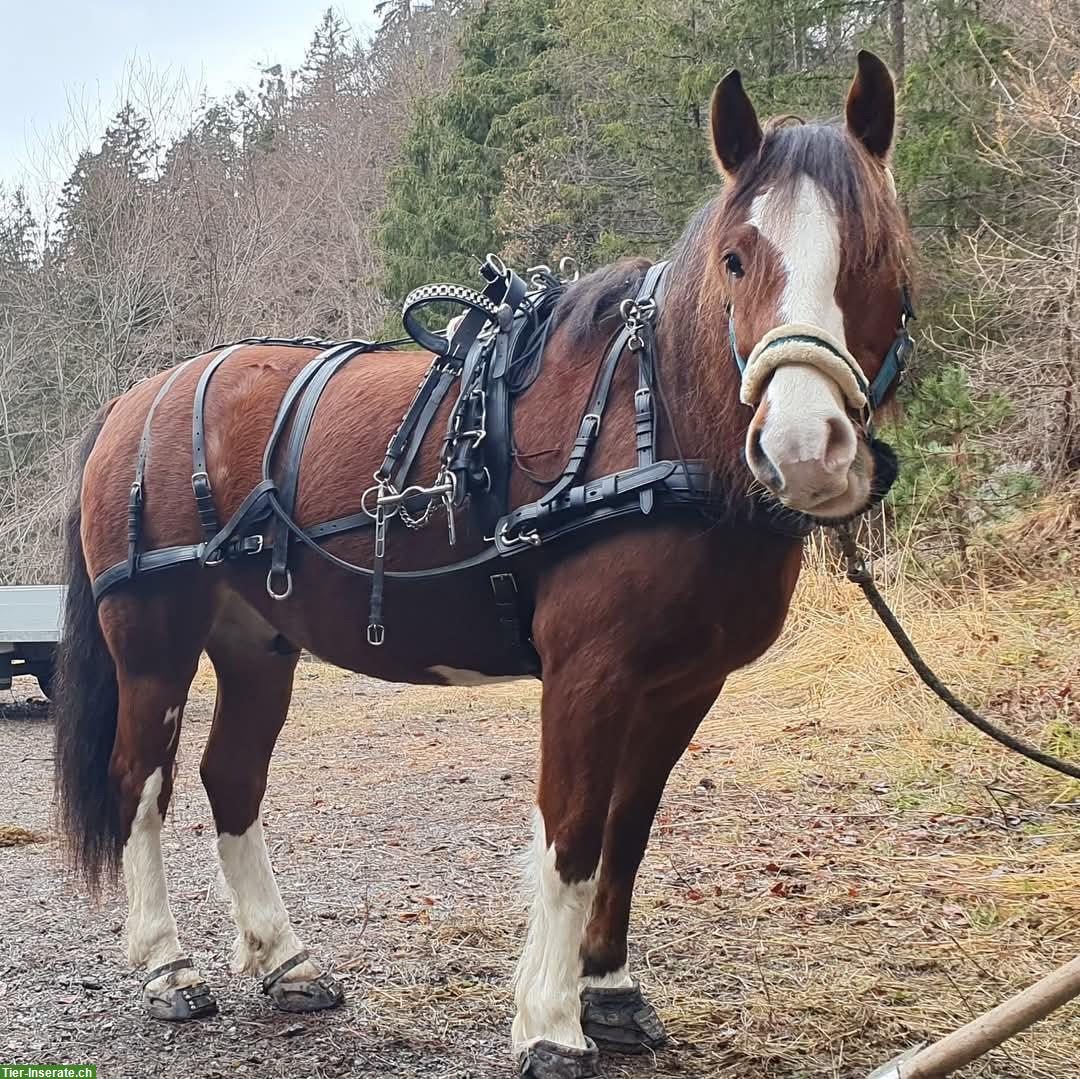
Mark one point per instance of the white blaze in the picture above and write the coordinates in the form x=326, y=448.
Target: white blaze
x=802, y=226
x=806, y=436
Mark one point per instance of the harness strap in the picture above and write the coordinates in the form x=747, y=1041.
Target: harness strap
x=295, y=388
x=465, y=427
x=645, y=409
x=214, y=550
x=679, y=488
x=405, y=435
x=589, y=429
x=135, y=495
x=290, y=465
x=200, y=480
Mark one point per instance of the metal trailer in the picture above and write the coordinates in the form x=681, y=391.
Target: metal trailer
x=30, y=618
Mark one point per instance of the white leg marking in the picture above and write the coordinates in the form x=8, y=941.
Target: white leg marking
x=547, y=984
x=151, y=928
x=172, y=720
x=617, y=979
x=266, y=938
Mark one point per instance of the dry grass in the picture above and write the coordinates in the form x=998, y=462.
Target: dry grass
x=876, y=872
x=11, y=835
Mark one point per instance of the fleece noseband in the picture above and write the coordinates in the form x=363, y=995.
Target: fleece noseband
x=797, y=342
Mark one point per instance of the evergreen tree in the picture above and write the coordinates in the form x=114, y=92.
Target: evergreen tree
x=441, y=199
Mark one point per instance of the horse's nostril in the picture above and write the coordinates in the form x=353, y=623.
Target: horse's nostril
x=840, y=444
x=761, y=464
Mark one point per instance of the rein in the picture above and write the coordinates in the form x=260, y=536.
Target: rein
x=859, y=573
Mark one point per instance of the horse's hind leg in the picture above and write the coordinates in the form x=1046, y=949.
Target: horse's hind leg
x=156, y=646
x=615, y=1014
x=255, y=668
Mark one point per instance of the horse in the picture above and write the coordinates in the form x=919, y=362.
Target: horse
x=794, y=272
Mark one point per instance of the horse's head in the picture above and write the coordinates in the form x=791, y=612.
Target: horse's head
x=809, y=252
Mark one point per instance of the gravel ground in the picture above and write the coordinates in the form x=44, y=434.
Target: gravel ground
x=792, y=924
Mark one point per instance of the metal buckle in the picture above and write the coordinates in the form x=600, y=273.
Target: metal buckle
x=200, y=484
x=642, y=400
x=635, y=313
x=376, y=634
x=595, y=417
x=531, y=537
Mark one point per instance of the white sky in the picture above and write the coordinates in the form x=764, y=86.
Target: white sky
x=60, y=58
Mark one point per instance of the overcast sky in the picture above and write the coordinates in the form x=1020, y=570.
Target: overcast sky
x=59, y=57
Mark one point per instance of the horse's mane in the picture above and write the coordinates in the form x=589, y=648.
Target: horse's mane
x=591, y=304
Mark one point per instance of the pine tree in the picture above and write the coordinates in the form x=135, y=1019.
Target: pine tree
x=440, y=208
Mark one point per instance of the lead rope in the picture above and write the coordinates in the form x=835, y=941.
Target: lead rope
x=858, y=572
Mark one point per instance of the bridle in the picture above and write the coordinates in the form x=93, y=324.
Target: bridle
x=803, y=343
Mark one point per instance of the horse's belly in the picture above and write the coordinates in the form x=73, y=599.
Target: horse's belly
x=444, y=631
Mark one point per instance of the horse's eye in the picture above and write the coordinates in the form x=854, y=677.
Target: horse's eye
x=734, y=264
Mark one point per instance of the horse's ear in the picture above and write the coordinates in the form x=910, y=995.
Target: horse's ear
x=871, y=105
x=736, y=133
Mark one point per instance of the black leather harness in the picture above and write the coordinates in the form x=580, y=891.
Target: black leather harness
x=493, y=352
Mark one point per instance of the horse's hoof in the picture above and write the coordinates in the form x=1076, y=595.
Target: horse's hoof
x=621, y=1020
x=308, y=996
x=549, y=1060
x=302, y=995
x=177, y=1003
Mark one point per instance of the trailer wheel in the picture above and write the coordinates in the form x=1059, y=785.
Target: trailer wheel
x=45, y=683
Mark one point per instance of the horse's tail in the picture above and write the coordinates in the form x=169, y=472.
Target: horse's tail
x=84, y=708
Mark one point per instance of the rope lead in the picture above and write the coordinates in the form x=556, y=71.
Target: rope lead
x=859, y=573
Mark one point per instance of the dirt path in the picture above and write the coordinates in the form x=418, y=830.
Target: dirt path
x=796, y=924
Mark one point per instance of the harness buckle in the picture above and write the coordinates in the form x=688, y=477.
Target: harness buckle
x=376, y=634
x=505, y=541
x=635, y=313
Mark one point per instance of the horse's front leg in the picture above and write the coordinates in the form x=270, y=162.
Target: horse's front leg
x=583, y=714
x=615, y=1014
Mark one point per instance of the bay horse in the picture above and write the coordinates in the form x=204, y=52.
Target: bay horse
x=798, y=264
